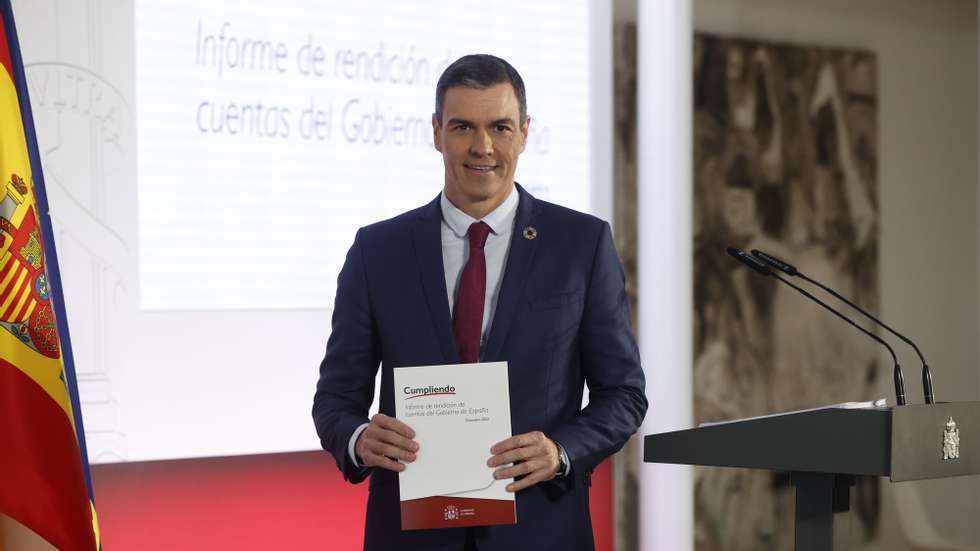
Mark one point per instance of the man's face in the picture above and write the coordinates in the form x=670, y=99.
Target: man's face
x=480, y=138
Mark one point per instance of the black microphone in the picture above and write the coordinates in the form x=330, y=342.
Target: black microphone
x=791, y=270
x=764, y=269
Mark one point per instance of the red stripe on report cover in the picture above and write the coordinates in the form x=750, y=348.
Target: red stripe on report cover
x=456, y=512
x=255, y=503
x=40, y=460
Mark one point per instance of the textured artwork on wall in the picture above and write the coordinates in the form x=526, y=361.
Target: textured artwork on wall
x=785, y=161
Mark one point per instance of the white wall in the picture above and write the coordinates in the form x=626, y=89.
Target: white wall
x=665, y=309
x=927, y=55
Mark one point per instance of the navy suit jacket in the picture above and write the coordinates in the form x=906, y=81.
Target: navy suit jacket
x=561, y=321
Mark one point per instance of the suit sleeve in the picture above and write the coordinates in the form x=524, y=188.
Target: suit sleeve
x=345, y=389
x=611, y=365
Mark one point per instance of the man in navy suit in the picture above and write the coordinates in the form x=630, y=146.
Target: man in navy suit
x=485, y=272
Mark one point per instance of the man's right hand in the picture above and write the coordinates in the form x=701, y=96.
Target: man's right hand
x=384, y=442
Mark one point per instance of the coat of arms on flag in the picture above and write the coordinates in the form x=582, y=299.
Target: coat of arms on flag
x=25, y=309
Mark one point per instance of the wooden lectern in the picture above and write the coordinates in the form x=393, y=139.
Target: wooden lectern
x=824, y=449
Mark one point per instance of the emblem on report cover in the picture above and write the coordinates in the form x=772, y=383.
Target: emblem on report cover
x=951, y=441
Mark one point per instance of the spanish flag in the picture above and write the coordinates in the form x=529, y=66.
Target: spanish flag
x=45, y=489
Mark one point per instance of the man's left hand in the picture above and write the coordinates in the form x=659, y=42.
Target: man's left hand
x=534, y=455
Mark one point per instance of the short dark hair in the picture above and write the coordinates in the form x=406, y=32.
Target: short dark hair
x=480, y=71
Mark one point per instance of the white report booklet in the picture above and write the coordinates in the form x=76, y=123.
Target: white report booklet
x=457, y=412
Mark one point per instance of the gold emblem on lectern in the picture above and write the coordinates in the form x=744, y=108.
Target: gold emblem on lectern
x=951, y=441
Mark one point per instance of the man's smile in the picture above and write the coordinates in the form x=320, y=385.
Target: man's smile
x=480, y=169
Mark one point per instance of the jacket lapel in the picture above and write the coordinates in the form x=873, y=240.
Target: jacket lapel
x=427, y=237
x=519, y=261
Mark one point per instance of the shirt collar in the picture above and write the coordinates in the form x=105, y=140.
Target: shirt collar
x=500, y=220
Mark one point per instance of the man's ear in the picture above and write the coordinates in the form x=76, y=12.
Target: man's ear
x=524, y=130
x=436, y=132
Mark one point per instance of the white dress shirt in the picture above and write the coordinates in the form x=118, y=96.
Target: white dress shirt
x=456, y=251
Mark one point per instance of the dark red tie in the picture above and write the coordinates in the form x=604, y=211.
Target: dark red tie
x=468, y=313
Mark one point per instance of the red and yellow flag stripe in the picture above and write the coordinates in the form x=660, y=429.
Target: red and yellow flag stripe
x=42, y=472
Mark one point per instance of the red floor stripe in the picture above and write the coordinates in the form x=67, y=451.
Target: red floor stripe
x=293, y=501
